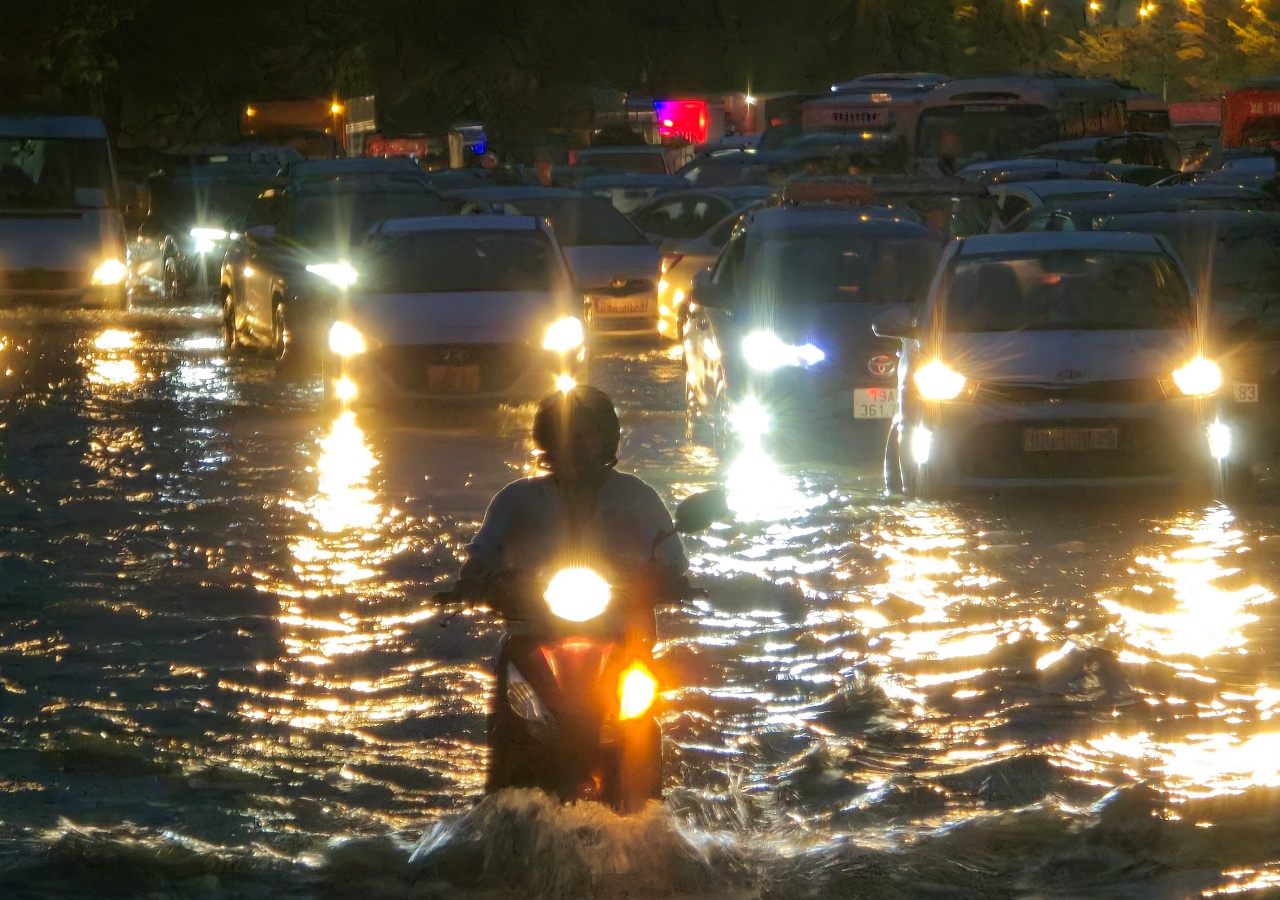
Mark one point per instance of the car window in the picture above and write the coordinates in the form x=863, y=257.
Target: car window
x=729, y=265
x=582, y=222
x=340, y=220
x=265, y=211
x=843, y=266
x=464, y=261
x=1011, y=205
x=1088, y=290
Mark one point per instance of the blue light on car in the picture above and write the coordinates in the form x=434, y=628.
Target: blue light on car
x=765, y=351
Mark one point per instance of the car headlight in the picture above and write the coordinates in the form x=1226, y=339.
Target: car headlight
x=637, y=689
x=340, y=274
x=937, y=382
x=577, y=594
x=563, y=336
x=765, y=351
x=110, y=272
x=208, y=234
x=345, y=340
x=750, y=419
x=1198, y=378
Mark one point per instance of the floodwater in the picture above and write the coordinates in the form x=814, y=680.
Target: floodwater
x=222, y=674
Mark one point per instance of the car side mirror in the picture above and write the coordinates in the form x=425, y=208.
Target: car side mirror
x=700, y=511
x=261, y=232
x=706, y=292
x=897, y=323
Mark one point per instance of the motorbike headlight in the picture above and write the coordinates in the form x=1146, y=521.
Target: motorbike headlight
x=345, y=340
x=765, y=351
x=577, y=594
x=340, y=274
x=112, y=271
x=563, y=336
x=937, y=382
x=637, y=689
x=1198, y=378
x=208, y=234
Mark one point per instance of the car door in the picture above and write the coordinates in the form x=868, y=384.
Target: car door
x=710, y=328
x=260, y=250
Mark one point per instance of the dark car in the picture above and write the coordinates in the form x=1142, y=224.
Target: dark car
x=1236, y=256
x=781, y=325
x=756, y=167
x=283, y=274
x=189, y=221
x=1089, y=214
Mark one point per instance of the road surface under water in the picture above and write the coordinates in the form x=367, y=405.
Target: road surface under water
x=222, y=675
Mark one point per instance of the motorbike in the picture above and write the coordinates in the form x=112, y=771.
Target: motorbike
x=574, y=706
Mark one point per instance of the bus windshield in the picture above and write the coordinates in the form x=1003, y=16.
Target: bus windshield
x=55, y=173
x=968, y=133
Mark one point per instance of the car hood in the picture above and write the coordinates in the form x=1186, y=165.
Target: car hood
x=599, y=266
x=71, y=241
x=461, y=318
x=1046, y=357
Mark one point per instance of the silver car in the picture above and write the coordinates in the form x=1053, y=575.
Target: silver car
x=1054, y=359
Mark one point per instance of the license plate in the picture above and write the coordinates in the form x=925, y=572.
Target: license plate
x=453, y=379
x=1244, y=393
x=621, y=305
x=1037, y=440
x=875, y=403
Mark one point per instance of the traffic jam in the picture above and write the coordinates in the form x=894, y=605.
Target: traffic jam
x=859, y=493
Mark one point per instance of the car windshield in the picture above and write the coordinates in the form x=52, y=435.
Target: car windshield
x=463, y=261
x=586, y=222
x=1075, y=290
x=182, y=201
x=844, y=266
x=49, y=173
x=646, y=163
x=985, y=132
x=342, y=219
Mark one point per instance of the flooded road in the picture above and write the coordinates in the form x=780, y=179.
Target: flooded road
x=222, y=675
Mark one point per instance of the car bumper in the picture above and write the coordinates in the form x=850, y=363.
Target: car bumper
x=112, y=297
x=629, y=316
x=978, y=445
x=453, y=374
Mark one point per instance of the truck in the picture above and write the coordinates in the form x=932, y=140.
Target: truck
x=62, y=233
x=1251, y=115
x=316, y=128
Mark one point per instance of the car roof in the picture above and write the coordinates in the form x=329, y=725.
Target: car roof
x=498, y=193
x=1048, y=187
x=1199, y=218
x=1030, y=241
x=817, y=215
x=368, y=184
x=461, y=223
x=633, y=179
x=350, y=165
x=52, y=127
x=626, y=148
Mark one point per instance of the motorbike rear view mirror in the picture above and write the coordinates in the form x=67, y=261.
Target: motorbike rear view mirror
x=700, y=511
x=896, y=323
x=261, y=232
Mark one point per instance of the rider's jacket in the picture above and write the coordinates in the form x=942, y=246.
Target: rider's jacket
x=528, y=527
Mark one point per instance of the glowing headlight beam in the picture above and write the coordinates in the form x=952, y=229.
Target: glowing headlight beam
x=1198, y=378
x=345, y=340
x=937, y=382
x=637, y=689
x=564, y=335
x=577, y=594
x=750, y=419
x=112, y=271
x=341, y=274
x=209, y=234
x=765, y=351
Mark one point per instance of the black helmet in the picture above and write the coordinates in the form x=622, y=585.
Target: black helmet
x=566, y=418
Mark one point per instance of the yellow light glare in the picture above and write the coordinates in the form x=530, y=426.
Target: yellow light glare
x=248, y=271
x=1198, y=378
x=577, y=594
x=114, y=339
x=564, y=335
x=112, y=271
x=345, y=340
x=345, y=389
x=336, y=108
x=637, y=689
x=565, y=383
x=936, y=382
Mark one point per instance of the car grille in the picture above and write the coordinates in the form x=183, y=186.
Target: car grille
x=628, y=323
x=42, y=280
x=409, y=366
x=1146, y=448
x=1128, y=391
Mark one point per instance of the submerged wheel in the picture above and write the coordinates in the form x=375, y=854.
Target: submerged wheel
x=170, y=279
x=230, y=336
x=894, y=482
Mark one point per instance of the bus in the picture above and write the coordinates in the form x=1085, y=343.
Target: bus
x=61, y=224
x=973, y=119
x=884, y=105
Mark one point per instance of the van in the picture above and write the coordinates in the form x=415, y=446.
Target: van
x=62, y=234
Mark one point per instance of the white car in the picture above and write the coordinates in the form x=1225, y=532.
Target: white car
x=1055, y=359
x=455, y=309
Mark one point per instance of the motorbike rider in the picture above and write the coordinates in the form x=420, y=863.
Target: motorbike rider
x=583, y=506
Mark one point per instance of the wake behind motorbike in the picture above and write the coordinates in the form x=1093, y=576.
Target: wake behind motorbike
x=574, y=706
